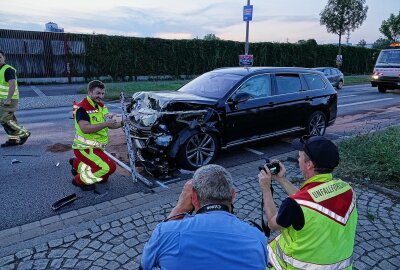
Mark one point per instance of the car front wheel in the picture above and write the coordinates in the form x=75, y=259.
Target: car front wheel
x=316, y=124
x=339, y=85
x=198, y=150
x=382, y=89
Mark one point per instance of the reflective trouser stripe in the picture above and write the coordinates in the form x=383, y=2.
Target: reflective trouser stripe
x=21, y=130
x=86, y=174
x=306, y=265
x=92, y=165
x=14, y=131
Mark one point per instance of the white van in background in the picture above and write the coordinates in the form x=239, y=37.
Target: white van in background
x=387, y=69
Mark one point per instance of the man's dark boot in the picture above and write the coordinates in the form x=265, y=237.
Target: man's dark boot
x=24, y=139
x=10, y=143
x=71, y=162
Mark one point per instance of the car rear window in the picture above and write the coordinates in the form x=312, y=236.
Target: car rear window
x=287, y=83
x=314, y=81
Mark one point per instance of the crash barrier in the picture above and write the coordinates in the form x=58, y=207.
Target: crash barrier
x=69, y=55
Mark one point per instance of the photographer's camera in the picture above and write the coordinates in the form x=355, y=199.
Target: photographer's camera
x=273, y=167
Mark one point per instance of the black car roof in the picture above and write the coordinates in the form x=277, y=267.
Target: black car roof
x=250, y=70
x=323, y=67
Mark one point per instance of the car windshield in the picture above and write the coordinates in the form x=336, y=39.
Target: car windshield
x=389, y=57
x=211, y=84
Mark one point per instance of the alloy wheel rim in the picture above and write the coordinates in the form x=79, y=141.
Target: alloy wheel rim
x=200, y=149
x=317, y=125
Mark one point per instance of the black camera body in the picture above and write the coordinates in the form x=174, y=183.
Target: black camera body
x=274, y=167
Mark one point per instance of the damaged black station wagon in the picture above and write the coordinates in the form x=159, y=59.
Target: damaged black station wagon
x=227, y=107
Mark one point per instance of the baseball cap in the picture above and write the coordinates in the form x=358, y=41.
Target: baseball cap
x=323, y=152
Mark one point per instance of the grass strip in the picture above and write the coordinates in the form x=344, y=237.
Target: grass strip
x=371, y=158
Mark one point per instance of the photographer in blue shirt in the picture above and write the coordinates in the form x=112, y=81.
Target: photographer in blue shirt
x=212, y=238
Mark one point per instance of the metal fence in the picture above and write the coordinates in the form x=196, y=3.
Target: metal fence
x=43, y=54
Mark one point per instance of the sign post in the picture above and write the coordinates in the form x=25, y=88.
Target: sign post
x=246, y=59
x=247, y=17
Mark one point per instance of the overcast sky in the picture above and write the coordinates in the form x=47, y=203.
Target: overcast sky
x=283, y=20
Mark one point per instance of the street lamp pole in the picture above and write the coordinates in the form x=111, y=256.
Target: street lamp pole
x=246, y=47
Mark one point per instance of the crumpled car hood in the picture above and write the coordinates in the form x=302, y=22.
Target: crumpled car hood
x=147, y=107
x=159, y=99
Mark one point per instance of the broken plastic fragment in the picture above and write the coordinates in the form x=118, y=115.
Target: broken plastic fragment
x=15, y=161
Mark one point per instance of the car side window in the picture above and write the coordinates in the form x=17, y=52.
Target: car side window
x=314, y=81
x=256, y=87
x=288, y=83
x=327, y=72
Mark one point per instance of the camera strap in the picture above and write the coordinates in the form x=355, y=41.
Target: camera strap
x=264, y=225
x=214, y=207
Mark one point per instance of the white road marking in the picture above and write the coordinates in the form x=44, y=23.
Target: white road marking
x=113, y=105
x=253, y=151
x=37, y=91
x=363, y=102
x=347, y=96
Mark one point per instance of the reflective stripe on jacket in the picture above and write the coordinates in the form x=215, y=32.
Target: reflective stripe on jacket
x=97, y=114
x=326, y=241
x=4, y=86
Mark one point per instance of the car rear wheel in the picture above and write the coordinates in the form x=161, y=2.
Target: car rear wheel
x=200, y=149
x=382, y=89
x=316, y=124
x=339, y=85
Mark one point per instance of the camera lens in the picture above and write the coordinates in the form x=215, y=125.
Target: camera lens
x=273, y=168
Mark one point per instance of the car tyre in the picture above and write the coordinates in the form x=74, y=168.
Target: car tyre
x=382, y=89
x=198, y=150
x=339, y=85
x=316, y=124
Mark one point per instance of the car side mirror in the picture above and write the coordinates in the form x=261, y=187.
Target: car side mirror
x=239, y=98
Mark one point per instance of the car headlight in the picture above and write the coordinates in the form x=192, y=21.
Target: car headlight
x=163, y=140
x=163, y=127
x=375, y=77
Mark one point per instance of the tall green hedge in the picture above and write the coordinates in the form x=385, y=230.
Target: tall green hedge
x=120, y=56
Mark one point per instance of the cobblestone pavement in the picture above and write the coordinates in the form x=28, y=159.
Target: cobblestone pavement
x=111, y=235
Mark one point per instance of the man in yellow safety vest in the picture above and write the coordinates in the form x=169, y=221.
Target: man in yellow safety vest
x=318, y=221
x=17, y=134
x=92, y=122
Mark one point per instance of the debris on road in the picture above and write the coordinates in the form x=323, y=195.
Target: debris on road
x=64, y=201
x=14, y=161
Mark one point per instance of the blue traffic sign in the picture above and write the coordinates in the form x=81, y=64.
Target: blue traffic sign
x=245, y=60
x=247, y=13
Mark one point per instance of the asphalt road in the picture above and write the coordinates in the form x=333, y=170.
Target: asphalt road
x=29, y=188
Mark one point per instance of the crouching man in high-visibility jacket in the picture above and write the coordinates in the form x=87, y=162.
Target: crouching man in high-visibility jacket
x=91, y=165
x=318, y=222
